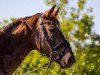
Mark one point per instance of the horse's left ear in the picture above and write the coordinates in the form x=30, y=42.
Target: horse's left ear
x=49, y=12
x=56, y=12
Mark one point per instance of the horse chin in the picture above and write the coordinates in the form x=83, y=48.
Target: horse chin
x=64, y=65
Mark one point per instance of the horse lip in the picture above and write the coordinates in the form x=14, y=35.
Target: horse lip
x=65, y=65
x=62, y=67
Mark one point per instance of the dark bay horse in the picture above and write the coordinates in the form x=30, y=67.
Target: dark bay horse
x=41, y=32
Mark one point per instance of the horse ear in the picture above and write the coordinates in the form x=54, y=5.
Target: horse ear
x=49, y=12
x=56, y=12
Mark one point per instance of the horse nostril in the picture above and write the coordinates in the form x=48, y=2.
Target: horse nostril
x=71, y=59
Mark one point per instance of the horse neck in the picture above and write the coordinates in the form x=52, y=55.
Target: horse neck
x=12, y=61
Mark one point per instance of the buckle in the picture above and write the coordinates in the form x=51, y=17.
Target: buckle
x=53, y=54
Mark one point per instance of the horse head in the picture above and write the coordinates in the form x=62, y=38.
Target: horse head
x=51, y=41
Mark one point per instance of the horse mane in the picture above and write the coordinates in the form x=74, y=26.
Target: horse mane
x=18, y=25
x=12, y=36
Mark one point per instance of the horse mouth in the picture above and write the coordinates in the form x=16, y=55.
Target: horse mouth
x=66, y=64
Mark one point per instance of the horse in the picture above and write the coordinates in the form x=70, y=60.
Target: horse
x=39, y=32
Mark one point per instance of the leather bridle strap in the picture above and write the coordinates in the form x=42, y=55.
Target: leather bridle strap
x=60, y=45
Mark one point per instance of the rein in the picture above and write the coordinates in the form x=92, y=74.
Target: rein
x=35, y=69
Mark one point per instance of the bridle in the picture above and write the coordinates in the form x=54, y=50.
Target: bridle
x=53, y=49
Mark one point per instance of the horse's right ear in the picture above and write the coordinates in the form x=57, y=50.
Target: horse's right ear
x=49, y=12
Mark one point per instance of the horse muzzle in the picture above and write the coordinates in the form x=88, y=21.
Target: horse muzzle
x=67, y=61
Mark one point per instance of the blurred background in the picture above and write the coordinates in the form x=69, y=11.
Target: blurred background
x=79, y=22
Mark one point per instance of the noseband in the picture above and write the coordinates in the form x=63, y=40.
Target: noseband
x=53, y=49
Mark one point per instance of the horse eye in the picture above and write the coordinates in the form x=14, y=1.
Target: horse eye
x=52, y=30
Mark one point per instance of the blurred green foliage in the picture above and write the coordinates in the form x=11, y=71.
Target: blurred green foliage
x=76, y=23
